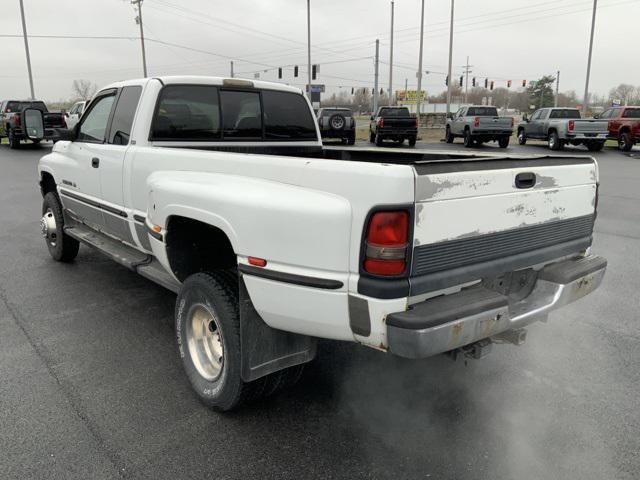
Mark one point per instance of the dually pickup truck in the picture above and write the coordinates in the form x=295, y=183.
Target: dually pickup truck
x=479, y=124
x=220, y=190
x=561, y=126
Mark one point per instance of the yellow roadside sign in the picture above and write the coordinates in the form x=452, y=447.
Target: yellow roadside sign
x=410, y=96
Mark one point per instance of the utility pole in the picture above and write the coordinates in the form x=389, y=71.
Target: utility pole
x=467, y=71
x=26, y=49
x=391, y=59
x=555, y=103
x=450, y=61
x=375, y=88
x=139, y=22
x=586, y=83
x=419, y=74
x=231, y=69
x=309, y=48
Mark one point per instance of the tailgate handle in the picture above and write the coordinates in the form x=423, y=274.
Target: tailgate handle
x=525, y=180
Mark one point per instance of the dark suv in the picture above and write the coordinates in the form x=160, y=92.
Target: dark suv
x=337, y=123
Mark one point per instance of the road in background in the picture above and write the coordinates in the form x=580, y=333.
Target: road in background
x=92, y=386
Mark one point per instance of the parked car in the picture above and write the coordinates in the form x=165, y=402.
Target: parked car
x=479, y=124
x=624, y=126
x=220, y=190
x=393, y=123
x=74, y=114
x=11, y=120
x=561, y=126
x=337, y=123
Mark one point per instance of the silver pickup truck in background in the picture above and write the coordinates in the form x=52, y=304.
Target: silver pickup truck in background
x=479, y=124
x=561, y=126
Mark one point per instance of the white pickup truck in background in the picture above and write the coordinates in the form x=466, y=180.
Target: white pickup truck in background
x=220, y=190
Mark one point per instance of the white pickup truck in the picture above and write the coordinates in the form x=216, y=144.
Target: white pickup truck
x=220, y=190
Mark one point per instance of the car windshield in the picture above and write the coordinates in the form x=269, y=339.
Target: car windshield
x=483, y=111
x=565, y=113
x=395, y=112
x=631, y=113
x=19, y=106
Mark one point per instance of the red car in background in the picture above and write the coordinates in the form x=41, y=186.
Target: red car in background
x=624, y=126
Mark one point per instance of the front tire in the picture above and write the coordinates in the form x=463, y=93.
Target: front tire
x=522, y=137
x=62, y=247
x=448, y=136
x=625, y=144
x=208, y=337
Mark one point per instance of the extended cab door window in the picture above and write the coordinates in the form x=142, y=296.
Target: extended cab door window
x=94, y=124
x=287, y=117
x=241, y=115
x=123, y=115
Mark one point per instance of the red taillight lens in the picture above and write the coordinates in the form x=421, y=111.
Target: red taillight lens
x=380, y=122
x=476, y=122
x=571, y=125
x=16, y=119
x=387, y=242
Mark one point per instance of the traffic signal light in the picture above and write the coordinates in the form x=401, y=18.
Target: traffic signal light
x=524, y=83
x=446, y=80
x=382, y=91
x=279, y=72
x=486, y=82
x=295, y=71
x=491, y=86
x=473, y=81
x=313, y=72
x=461, y=79
x=508, y=83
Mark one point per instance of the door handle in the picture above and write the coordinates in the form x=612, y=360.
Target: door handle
x=525, y=180
x=95, y=162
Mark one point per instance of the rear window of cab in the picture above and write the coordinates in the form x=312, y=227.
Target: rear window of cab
x=209, y=113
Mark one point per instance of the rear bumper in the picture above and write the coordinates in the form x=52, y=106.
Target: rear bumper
x=448, y=322
x=583, y=136
x=492, y=132
x=397, y=132
x=330, y=133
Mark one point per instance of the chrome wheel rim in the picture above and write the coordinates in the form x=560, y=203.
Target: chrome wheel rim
x=49, y=227
x=552, y=141
x=205, y=342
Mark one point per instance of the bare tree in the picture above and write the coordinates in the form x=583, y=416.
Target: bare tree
x=83, y=89
x=625, y=93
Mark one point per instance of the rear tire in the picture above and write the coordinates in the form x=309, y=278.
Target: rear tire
x=554, y=141
x=208, y=337
x=372, y=137
x=503, y=142
x=625, y=143
x=351, y=140
x=62, y=247
x=522, y=137
x=595, y=146
x=468, y=141
x=412, y=141
x=448, y=136
x=378, y=140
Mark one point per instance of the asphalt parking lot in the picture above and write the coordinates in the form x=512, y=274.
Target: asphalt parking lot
x=92, y=386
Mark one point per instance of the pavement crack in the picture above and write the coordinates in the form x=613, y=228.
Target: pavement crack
x=114, y=458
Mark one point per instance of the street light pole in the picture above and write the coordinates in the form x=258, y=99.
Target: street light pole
x=26, y=49
x=450, y=82
x=144, y=55
x=586, y=83
x=419, y=73
x=375, y=88
x=309, y=49
x=391, y=59
x=555, y=104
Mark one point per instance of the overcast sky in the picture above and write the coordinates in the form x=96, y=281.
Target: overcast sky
x=505, y=39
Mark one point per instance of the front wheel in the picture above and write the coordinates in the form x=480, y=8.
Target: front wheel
x=625, y=143
x=522, y=137
x=448, y=136
x=62, y=247
x=503, y=142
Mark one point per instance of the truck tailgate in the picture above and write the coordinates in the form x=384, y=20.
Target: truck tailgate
x=486, y=217
x=590, y=126
x=494, y=123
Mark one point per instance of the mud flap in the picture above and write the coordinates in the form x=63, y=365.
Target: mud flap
x=265, y=350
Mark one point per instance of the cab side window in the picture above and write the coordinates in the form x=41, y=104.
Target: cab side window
x=536, y=115
x=94, y=124
x=123, y=115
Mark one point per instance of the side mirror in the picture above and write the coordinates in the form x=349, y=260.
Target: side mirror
x=66, y=114
x=373, y=117
x=525, y=117
x=33, y=124
x=66, y=134
x=450, y=116
x=596, y=115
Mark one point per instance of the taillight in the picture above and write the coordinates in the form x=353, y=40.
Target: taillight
x=476, y=122
x=571, y=125
x=380, y=122
x=387, y=243
x=16, y=119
